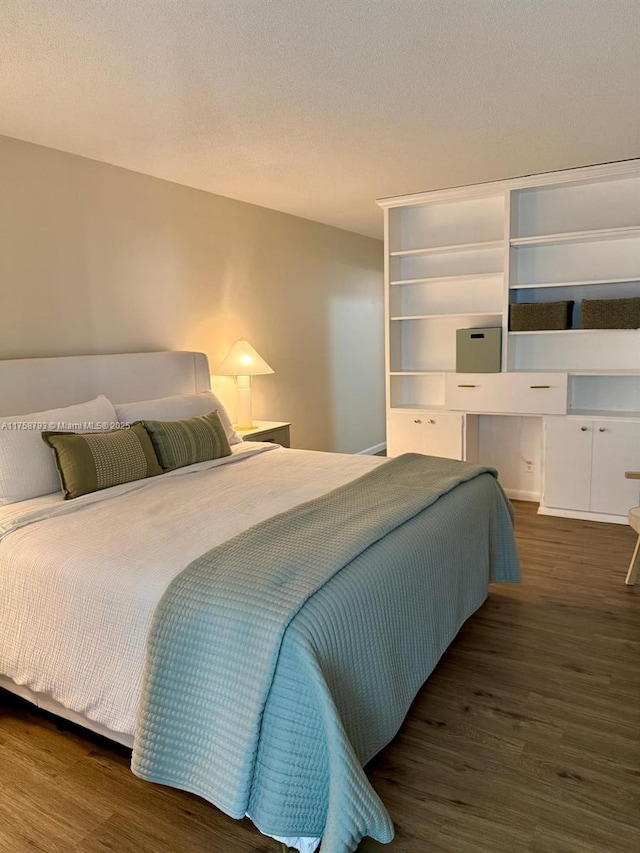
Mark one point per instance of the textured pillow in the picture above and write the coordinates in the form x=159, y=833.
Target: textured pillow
x=27, y=466
x=180, y=443
x=90, y=462
x=178, y=408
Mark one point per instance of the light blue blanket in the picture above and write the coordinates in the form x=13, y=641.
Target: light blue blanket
x=283, y=660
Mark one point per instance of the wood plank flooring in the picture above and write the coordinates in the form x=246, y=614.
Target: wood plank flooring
x=526, y=739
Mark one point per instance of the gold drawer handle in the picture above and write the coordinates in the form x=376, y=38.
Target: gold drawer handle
x=539, y=386
x=431, y=421
x=466, y=386
x=417, y=421
x=602, y=429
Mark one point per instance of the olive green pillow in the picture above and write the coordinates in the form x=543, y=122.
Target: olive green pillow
x=89, y=462
x=180, y=443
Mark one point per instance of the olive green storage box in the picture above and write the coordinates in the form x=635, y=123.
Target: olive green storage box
x=478, y=350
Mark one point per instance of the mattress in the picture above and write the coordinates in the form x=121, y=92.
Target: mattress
x=80, y=580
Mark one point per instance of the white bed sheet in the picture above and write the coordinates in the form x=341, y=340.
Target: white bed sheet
x=80, y=580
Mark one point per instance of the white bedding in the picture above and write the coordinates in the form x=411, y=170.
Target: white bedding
x=79, y=580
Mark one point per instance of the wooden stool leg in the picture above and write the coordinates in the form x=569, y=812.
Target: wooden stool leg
x=634, y=565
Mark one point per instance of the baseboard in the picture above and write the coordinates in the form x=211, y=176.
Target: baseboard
x=583, y=516
x=521, y=495
x=373, y=451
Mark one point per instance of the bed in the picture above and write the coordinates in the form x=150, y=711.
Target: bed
x=97, y=619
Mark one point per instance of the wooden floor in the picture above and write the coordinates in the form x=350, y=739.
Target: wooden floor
x=526, y=738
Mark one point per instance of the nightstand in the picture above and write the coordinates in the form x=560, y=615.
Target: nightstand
x=274, y=431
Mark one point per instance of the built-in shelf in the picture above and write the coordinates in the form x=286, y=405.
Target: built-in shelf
x=574, y=331
x=496, y=314
x=436, y=279
x=585, y=372
x=602, y=413
x=617, y=372
x=456, y=247
x=419, y=372
x=577, y=237
x=594, y=281
x=418, y=407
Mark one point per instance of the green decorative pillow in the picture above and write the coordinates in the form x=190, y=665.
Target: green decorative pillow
x=180, y=443
x=89, y=462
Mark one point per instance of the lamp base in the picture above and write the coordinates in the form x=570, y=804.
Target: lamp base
x=245, y=417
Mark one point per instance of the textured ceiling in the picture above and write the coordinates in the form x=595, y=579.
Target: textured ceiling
x=317, y=107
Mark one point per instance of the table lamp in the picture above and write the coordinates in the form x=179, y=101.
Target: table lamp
x=243, y=362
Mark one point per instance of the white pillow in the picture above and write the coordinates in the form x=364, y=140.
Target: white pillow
x=27, y=465
x=178, y=408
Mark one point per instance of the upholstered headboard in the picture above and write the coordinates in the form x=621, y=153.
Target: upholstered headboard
x=35, y=384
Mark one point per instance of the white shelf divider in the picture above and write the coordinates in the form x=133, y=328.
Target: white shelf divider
x=419, y=372
x=602, y=413
x=614, y=372
x=418, y=407
x=437, y=279
x=574, y=332
x=496, y=314
x=578, y=237
x=595, y=281
x=456, y=247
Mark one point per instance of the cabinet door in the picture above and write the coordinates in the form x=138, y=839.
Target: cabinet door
x=567, y=463
x=616, y=449
x=432, y=433
x=405, y=433
x=443, y=436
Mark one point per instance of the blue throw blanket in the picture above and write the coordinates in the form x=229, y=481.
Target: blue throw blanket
x=281, y=661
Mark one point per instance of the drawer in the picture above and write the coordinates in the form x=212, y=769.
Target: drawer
x=279, y=435
x=509, y=393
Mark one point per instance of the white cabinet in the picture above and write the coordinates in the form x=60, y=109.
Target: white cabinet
x=432, y=433
x=585, y=462
x=460, y=258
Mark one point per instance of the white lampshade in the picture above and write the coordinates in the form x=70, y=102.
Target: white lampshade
x=243, y=360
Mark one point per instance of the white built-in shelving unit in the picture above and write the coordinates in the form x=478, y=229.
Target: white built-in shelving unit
x=445, y=271
x=577, y=238
x=460, y=258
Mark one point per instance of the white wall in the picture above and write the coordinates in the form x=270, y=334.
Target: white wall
x=96, y=259
x=513, y=445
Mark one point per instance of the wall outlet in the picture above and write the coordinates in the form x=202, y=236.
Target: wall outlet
x=528, y=466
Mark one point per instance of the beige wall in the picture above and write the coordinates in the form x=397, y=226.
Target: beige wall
x=97, y=259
